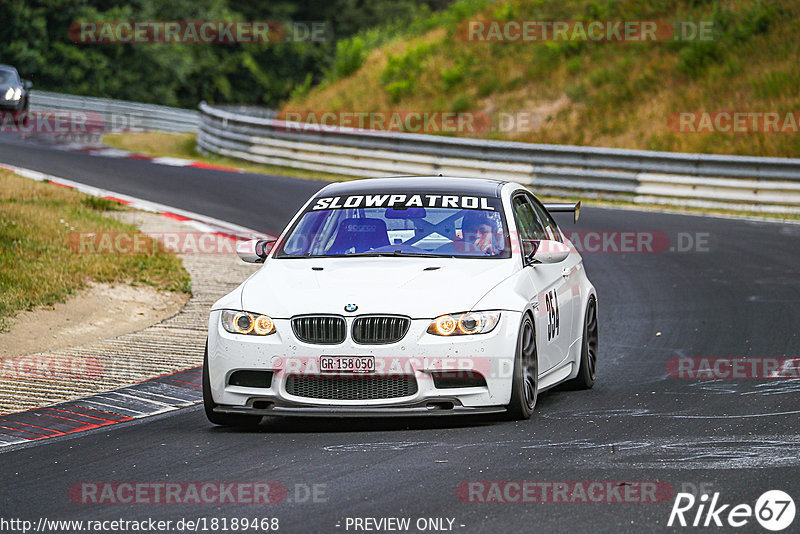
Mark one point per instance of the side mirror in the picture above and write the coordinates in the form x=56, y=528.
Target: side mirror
x=27, y=84
x=561, y=208
x=548, y=251
x=255, y=250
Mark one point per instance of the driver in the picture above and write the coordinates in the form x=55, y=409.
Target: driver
x=478, y=231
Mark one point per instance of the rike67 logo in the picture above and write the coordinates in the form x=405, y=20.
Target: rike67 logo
x=774, y=510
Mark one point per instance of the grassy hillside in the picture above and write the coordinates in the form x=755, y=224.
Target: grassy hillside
x=587, y=93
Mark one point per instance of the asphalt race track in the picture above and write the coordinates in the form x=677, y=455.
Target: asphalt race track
x=737, y=294
x=271, y=200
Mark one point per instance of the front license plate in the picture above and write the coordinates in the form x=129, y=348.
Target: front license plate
x=347, y=364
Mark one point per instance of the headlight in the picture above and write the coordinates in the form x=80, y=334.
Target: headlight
x=241, y=322
x=13, y=94
x=463, y=324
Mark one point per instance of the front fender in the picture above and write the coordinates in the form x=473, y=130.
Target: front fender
x=510, y=294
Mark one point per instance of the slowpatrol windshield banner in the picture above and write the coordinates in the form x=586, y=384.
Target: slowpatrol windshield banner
x=402, y=201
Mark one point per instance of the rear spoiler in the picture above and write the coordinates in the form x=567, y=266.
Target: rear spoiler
x=563, y=208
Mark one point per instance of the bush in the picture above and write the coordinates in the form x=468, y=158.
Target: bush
x=350, y=55
x=302, y=89
x=397, y=90
x=697, y=55
x=460, y=72
x=461, y=103
x=452, y=77
x=400, y=72
x=488, y=87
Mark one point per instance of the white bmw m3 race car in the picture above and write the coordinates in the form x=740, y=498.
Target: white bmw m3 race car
x=404, y=296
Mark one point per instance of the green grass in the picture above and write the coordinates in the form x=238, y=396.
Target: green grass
x=39, y=265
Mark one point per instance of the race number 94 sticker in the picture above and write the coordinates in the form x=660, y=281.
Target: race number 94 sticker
x=551, y=305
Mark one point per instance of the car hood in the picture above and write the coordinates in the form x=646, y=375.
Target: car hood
x=416, y=287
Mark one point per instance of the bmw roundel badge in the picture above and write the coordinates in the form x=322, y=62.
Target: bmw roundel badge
x=350, y=308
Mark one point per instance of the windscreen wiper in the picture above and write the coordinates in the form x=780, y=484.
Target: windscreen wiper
x=421, y=254
x=384, y=254
x=395, y=253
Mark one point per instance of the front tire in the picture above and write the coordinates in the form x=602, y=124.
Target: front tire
x=222, y=419
x=22, y=115
x=588, y=366
x=525, y=385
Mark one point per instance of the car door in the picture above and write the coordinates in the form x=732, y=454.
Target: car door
x=548, y=287
x=567, y=296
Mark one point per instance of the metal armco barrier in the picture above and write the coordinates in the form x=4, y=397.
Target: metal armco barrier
x=119, y=115
x=734, y=182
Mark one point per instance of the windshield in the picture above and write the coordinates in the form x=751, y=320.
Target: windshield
x=7, y=76
x=409, y=225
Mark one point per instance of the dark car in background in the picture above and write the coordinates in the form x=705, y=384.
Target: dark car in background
x=13, y=92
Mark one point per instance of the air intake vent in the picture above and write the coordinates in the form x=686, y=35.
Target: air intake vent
x=380, y=329
x=350, y=387
x=457, y=379
x=319, y=329
x=251, y=379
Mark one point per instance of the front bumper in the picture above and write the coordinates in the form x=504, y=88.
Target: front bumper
x=440, y=406
x=12, y=105
x=418, y=354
